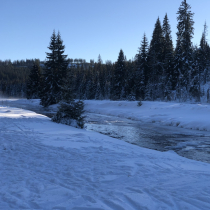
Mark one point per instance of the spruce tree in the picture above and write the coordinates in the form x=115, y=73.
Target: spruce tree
x=168, y=59
x=34, y=82
x=141, y=69
x=183, y=52
x=203, y=57
x=54, y=72
x=195, y=82
x=155, y=85
x=70, y=112
x=119, y=77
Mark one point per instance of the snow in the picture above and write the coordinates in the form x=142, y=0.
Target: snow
x=45, y=165
x=182, y=115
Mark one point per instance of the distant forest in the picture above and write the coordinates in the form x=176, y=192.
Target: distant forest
x=159, y=71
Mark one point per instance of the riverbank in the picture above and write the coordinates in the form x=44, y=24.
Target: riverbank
x=45, y=165
x=181, y=115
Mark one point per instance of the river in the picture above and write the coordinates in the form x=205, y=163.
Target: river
x=187, y=143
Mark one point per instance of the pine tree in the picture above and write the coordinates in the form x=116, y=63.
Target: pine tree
x=195, y=90
x=141, y=69
x=70, y=112
x=119, y=79
x=34, y=82
x=54, y=72
x=100, y=59
x=155, y=85
x=203, y=57
x=183, y=52
x=168, y=58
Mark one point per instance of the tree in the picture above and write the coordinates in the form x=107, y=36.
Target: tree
x=155, y=85
x=141, y=69
x=34, y=82
x=195, y=82
x=100, y=61
x=119, y=79
x=54, y=72
x=203, y=57
x=183, y=52
x=70, y=112
x=168, y=59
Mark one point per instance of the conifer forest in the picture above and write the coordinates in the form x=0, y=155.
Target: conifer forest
x=161, y=70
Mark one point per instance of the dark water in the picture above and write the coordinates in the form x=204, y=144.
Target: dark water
x=187, y=143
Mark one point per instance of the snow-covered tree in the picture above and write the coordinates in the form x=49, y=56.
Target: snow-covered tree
x=183, y=52
x=155, y=85
x=54, y=72
x=70, y=112
x=168, y=59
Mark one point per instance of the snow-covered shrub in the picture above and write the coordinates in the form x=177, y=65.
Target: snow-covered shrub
x=139, y=102
x=70, y=114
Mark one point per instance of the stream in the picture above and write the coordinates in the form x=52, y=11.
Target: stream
x=187, y=143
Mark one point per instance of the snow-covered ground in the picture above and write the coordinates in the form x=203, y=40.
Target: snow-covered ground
x=183, y=115
x=45, y=165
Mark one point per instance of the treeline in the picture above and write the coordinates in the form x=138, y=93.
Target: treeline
x=158, y=72
x=14, y=76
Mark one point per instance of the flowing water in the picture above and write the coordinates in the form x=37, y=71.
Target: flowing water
x=187, y=143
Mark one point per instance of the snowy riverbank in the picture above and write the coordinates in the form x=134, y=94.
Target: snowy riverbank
x=182, y=115
x=190, y=116
x=45, y=165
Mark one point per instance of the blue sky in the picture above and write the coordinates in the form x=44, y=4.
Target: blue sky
x=88, y=27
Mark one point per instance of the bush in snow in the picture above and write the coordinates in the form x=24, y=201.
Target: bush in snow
x=139, y=102
x=70, y=113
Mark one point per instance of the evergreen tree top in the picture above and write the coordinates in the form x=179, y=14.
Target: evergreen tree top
x=185, y=20
x=121, y=56
x=100, y=59
x=143, y=49
x=57, y=51
x=203, y=41
x=166, y=27
x=144, y=44
x=157, y=38
x=52, y=45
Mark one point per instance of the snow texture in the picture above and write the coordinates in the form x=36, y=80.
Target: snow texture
x=45, y=165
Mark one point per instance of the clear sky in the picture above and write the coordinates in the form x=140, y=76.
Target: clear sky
x=88, y=27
